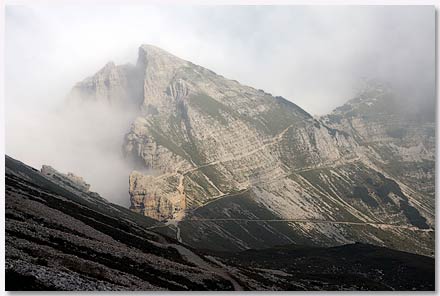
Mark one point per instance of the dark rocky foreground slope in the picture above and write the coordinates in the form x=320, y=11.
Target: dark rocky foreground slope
x=354, y=266
x=60, y=236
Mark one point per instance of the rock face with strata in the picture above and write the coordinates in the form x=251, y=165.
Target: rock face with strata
x=397, y=137
x=236, y=168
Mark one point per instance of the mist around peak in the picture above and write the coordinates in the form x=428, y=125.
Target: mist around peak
x=81, y=137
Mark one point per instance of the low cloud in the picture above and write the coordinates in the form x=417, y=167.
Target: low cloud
x=85, y=138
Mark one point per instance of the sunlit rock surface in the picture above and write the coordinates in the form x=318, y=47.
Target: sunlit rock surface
x=238, y=168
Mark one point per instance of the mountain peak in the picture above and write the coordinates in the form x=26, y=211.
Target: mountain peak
x=152, y=48
x=150, y=54
x=222, y=148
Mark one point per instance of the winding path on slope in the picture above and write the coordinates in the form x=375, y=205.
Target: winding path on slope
x=376, y=224
x=197, y=260
x=414, y=228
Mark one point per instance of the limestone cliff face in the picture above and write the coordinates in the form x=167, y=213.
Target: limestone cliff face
x=235, y=167
x=399, y=139
x=152, y=199
x=210, y=136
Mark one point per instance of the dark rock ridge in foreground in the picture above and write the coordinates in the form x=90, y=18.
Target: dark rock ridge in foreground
x=238, y=168
x=60, y=236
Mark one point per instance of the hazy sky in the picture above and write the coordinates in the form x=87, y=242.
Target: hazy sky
x=314, y=56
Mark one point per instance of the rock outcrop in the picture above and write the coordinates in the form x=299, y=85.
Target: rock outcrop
x=72, y=179
x=238, y=168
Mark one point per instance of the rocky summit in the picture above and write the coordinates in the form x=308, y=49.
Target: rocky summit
x=230, y=167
